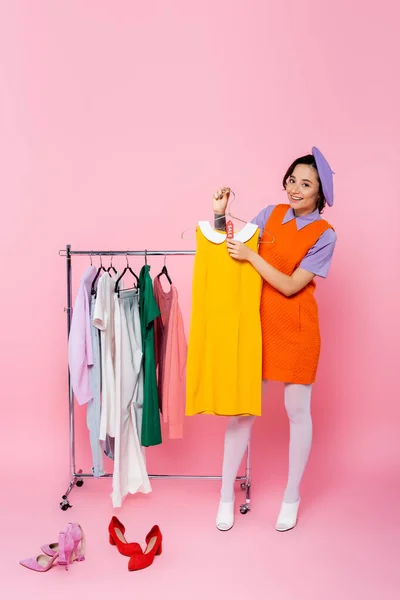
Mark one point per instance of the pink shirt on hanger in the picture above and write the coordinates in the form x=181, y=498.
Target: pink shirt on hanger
x=171, y=354
x=80, y=352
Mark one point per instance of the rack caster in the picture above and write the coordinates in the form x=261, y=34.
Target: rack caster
x=79, y=483
x=245, y=485
x=64, y=504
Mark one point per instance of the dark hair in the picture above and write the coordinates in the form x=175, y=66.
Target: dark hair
x=310, y=161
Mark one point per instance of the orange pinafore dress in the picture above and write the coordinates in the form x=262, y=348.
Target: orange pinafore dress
x=290, y=326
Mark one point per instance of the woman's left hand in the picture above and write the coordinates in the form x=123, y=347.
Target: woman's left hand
x=238, y=250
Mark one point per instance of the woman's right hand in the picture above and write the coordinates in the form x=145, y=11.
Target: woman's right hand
x=220, y=200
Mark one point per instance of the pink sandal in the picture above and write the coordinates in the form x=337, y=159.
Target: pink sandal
x=43, y=563
x=65, y=549
x=39, y=563
x=71, y=546
x=76, y=532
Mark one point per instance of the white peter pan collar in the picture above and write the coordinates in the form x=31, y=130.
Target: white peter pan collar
x=244, y=235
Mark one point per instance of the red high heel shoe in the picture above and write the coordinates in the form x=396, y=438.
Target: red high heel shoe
x=117, y=538
x=154, y=547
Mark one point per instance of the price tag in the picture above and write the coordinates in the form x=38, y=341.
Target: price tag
x=230, y=232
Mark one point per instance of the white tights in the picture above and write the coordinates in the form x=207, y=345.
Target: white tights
x=298, y=408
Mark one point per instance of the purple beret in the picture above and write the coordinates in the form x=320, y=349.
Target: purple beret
x=325, y=174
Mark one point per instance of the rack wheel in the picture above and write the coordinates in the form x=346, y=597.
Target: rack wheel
x=79, y=483
x=243, y=485
x=244, y=509
x=65, y=505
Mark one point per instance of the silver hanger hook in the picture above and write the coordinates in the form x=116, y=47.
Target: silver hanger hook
x=230, y=202
x=145, y=257
x=111, y=261
x=91, y=262
x=232, y=198
x=165, y=260
x=127, y=261
x=226, y=190
x=101, y=261
x=229, y=208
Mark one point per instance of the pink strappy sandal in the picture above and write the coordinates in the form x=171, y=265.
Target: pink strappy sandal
x=40, y=563
x=71, y=546
x=43, y=563
x=78, y=536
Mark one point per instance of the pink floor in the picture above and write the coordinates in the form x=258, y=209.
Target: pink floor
x=346, y=544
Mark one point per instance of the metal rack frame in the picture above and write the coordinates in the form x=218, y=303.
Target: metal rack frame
x=77, y=477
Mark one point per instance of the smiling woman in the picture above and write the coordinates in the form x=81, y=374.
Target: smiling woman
x=302, y=247
x=302, y=184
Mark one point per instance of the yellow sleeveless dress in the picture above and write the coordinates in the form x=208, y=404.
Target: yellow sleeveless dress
x=224, y=363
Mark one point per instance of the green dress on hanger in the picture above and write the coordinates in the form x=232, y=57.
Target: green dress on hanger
x=149, y=311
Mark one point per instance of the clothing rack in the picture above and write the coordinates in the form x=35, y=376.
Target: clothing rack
x=77, y=477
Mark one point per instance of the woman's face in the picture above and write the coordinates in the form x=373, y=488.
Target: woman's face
x=302, y=188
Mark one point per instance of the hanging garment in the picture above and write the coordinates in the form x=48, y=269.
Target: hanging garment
x=84, y=364
x=151, y=427
x=224, y=354
x=291, y=337
x=109, y=447
x=138, y=405
x=94, y=405
x=104, y=321
x=80, y=352
x=130, y=474
x=171, y=355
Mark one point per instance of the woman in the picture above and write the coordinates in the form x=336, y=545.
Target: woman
x=296, y=244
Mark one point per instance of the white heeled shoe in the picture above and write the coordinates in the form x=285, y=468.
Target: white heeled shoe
x=287, y=518
x=225, y=516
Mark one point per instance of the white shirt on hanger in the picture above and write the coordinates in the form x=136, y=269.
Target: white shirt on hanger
x=130, y=475
x=103, y=319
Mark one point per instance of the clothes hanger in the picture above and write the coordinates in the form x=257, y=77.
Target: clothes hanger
x=111, y=268
x=127, y=268
x=227, y=214
x=99, y=270
x=164, y=271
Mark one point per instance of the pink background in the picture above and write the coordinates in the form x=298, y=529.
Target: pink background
x=118, y=121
